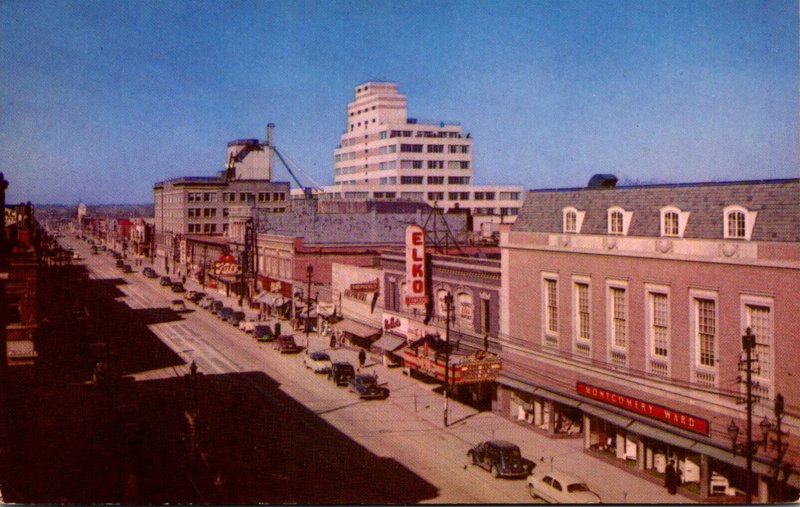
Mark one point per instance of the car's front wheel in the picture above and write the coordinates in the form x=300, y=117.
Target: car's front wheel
x=495, y=472
x=471, y=456
x=532, y=492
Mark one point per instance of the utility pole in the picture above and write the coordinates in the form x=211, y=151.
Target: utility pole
x=448, y=301
x=310, y=271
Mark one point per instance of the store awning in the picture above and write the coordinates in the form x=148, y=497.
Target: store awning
x=660, y=435
x=539, y=391
x=726, y=456
x=263, y=297
x=356, y=328
x=389, y=343
x=611, y=417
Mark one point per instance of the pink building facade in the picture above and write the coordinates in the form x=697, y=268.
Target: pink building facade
x=623, y=319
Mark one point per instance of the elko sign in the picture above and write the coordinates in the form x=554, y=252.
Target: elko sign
x=415, y=295
x=679, y=419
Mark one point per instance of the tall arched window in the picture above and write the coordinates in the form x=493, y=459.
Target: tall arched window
x=615, y=222
x=671, y=223
x=735, y=224
x=570, y=221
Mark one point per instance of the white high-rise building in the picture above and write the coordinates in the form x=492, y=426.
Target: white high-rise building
x=386, y=155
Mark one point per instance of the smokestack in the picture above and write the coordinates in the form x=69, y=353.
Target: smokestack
x=270, y=140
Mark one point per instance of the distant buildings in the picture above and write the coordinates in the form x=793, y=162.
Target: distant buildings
x=205, y=205
x=383, y=154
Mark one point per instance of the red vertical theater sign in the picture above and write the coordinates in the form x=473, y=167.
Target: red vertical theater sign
x=416, y=293
x=673, y=417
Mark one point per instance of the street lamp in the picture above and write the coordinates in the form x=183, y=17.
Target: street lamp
x=448, y=302
x=310, y=271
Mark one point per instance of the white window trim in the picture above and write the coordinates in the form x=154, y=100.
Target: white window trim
x=694, y=349
x=683, y=219
x=617, y=284
x=749, y=221
x=579, y=216
x=545, y=276
x=576, y=338
x=752, y=299
x=627, y=216
x=650, y=288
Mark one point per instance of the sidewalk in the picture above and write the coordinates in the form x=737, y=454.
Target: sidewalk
x=470, y=426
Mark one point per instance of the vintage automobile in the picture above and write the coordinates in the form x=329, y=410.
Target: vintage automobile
x=235, y=317
x=126, y=268
x=263, y=333
x=285, y=344
x=177, y=287
x=560, y=487
x=216, y=306
x=366, y=386
x=177, y=305
x=341, y=372
x=501, y=458
x=149, y=272
x=318, y=361
x=247, y=325
x=224, y=312
x=206, y=302
x=119, y=263
x=164, y=281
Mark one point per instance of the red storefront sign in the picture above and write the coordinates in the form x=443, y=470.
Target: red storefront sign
x=673, y=417
x=416, y=293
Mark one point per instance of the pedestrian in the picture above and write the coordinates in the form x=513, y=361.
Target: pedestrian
x=333, y=341
x=277, y=328
x=362, y=358
x=183, y=279
x=671, y=478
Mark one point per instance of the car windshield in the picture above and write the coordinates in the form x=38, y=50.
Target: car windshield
x=320, y=356
x=577, y=487
x=511, y=453
x=369, y=380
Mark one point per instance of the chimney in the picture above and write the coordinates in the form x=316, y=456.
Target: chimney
x=270, y=140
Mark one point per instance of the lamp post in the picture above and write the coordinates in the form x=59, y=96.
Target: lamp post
x=310, y=271
x=448, y=301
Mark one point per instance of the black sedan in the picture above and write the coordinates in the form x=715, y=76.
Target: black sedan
x=367, y=388
x=501, y=459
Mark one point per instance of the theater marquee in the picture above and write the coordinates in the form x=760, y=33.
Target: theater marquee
x=416, y=293
x=673, y=417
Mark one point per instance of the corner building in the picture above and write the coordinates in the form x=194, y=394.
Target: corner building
x=383, y=154
x=622, y=325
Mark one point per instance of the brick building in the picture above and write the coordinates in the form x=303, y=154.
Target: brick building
x=622, y=312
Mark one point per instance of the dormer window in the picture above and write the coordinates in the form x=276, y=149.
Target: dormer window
x=619, y=220
x=572, y=220
x=739, y=222
x=673, y=221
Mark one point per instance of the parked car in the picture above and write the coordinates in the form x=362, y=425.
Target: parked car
x=501, y=458
x=247, y=325
x=165, y=281
x=235, y=317
x=206, y=302
x=177, y=305
x=177, y=287
x=216, y=306
x=366, y=386
x=561, y=487
x=285, y=344
x=341, y=372
x=197, y=296
x=318, y=361
x=116, y=255
x=224, y=312
x=189, y=294
x=263, y=333
x=119, y=263
x=126, y=268
x=149, y=272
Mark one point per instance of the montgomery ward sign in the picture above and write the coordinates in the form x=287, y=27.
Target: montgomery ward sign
x=673, y=417
x=415, y=267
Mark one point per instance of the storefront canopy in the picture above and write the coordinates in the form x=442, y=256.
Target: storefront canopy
x=356, y=328
x=389, y=343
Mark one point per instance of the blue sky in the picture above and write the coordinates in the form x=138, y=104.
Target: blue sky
x=101, y=99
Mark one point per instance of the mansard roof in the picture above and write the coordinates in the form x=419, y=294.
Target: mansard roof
x=776, y=201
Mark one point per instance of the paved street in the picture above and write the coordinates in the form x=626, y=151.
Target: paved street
x=406, y=428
